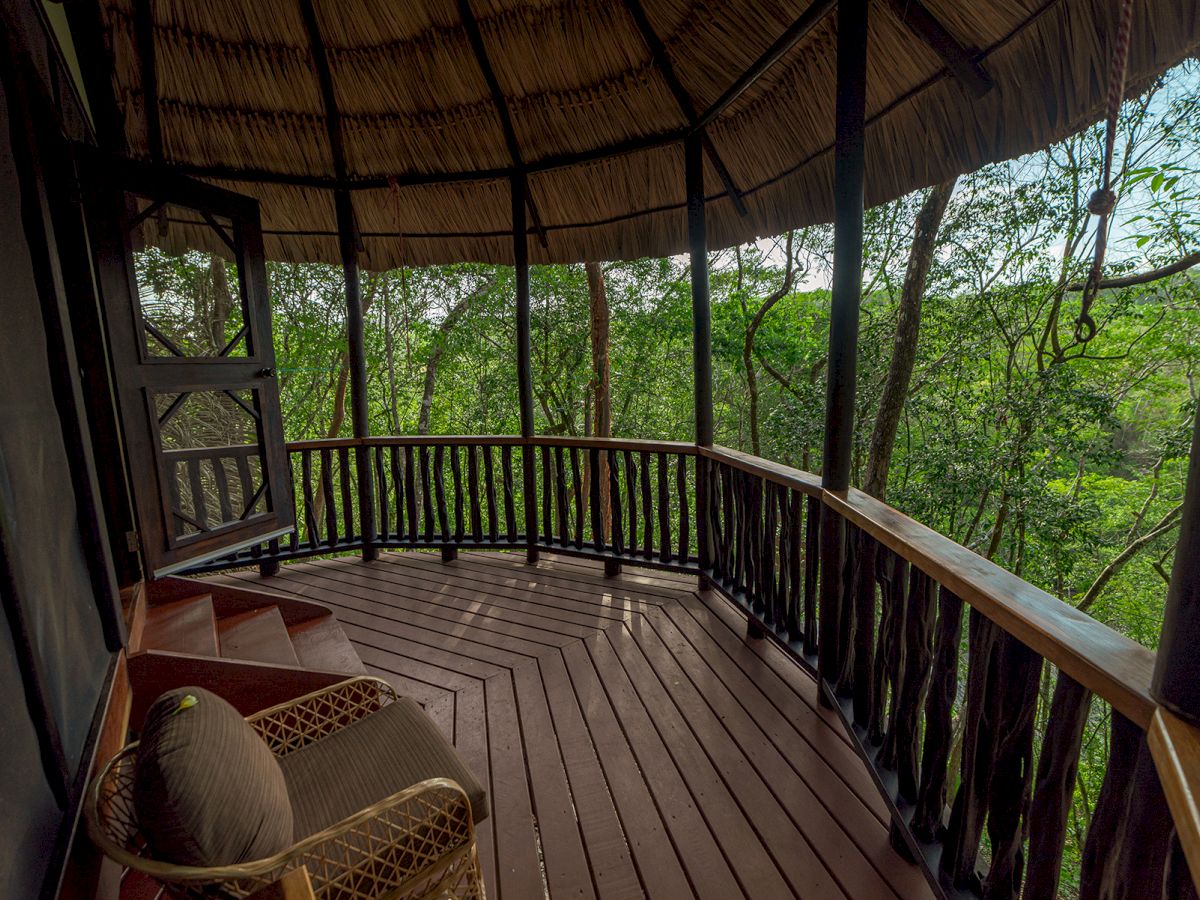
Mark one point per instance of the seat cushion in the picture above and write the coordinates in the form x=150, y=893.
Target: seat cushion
x=380, y=755
x=207, y=789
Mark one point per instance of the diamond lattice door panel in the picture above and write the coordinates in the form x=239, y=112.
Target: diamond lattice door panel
x=188, y=324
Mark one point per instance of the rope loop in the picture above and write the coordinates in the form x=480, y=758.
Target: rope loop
x=1104, y=199
x=1102, y=202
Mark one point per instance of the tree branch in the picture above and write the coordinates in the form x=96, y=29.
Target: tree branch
x=1180, y=265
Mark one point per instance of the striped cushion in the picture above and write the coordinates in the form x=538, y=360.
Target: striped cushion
x=378, y=756
x=207, y=789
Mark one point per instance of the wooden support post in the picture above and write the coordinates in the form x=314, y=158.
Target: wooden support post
x=347, y=229
x=1177, y=669
x=348, y=243
x=843, y=327
x=524, y=362
x=693, y=162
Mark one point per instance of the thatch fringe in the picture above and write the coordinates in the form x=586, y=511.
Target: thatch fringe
x=236, y=89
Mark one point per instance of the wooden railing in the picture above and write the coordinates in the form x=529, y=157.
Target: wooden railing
x=468, y=492
x=986, y=811
x=889, y=641
x=220, y=482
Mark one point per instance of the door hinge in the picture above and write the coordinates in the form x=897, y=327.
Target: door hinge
x=133, y=541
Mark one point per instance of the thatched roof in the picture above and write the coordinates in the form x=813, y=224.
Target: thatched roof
x=239, y=91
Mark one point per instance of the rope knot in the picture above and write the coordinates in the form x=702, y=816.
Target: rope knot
x=1102, y=202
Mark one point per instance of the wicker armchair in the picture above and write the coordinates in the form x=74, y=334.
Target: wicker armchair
x=416, y=844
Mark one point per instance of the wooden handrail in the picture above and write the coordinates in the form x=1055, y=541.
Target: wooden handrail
x=797, y=479
x=1175, y=746
x=1103, y=660
x=495, y=440
x=683, y=447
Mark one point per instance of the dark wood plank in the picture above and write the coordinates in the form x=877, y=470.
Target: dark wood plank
x=565, y=857
x=834, y=821
x=633, y=742
x=696, y=729
x=518, y=867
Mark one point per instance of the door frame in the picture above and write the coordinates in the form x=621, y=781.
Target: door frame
x=139, y=376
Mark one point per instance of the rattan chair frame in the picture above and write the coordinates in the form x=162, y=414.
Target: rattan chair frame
x=418, y=844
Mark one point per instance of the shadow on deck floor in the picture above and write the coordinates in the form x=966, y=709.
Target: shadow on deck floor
x=634, y=743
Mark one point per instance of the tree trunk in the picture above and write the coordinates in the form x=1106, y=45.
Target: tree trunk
x=748, y=344
x=904, y=352
x=389, y=346
x=222, y=303
x=431, y=366
x=339, y=400
x=598, y=322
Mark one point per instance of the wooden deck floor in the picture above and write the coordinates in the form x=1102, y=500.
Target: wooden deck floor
x=633, y=742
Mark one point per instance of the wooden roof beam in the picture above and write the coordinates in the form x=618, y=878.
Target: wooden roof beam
x=143, y=28
x=475, y=36
x=795, y=33
x=662, y=62
x=333, y=117
x=957, y=58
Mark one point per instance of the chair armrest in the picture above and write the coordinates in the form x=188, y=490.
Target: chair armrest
x=295, y=885
x=297, y=723
x=421, y=837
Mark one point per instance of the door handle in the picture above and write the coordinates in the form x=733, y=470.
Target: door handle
x=268, y=372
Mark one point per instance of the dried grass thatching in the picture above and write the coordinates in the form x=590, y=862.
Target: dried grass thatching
x=238, y=91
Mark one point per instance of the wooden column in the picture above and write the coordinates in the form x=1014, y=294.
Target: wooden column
x=520, y=192
x=348, y=244
x=843, y=326
x=1177, y=671
x=693, y=163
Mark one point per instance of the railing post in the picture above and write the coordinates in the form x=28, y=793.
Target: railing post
x=520, y=188
x=693, y=161
x=843, y=325
x=348, y=244
x=1177, y=669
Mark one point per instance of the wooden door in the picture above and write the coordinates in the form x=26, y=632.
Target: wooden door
x=181, y=268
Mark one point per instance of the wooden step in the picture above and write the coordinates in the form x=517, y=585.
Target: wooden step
x=321, y=644
x=258, y=635
x=183, y=626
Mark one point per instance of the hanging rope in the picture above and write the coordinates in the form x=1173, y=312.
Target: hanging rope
x=404, y=296
x=394, y=190
x=1104, y=200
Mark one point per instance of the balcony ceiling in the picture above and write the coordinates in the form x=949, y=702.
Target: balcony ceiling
x=238, y=93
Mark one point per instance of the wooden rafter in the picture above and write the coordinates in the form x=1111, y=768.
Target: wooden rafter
x=475, y=36
x=662, y=61
x=957, y=58
x=333, y=117
x=794, y=33
x=143, y=27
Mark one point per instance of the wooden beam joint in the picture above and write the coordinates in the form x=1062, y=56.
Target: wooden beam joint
x=143, y=28
x=958, y=59
x=662, y=62
x=475, y=36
